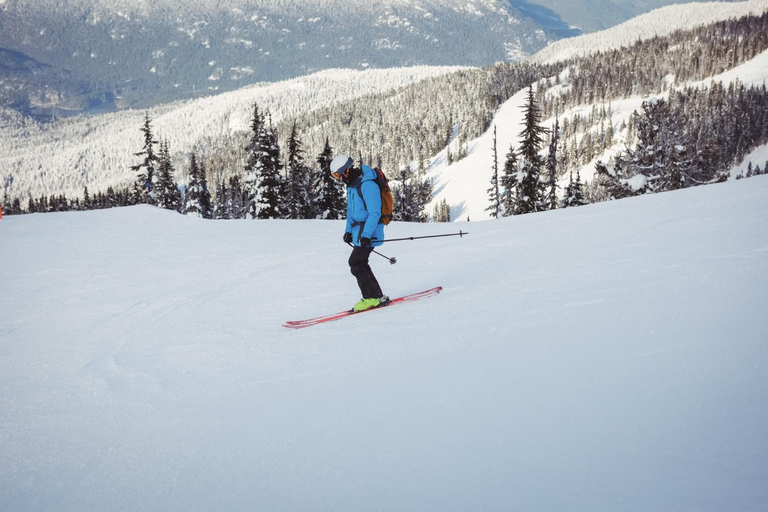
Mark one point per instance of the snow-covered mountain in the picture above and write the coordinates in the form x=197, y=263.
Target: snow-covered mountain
x=66, y=156
x=603, y=358
x=141, y=53
x=593, y=15
x=660, y=22
x=464, y=184
x=97, y=151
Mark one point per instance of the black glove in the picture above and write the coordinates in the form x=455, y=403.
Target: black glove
x=348, y=238
x=365, y=242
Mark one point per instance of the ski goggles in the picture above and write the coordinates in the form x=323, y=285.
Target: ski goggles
x=338, y=175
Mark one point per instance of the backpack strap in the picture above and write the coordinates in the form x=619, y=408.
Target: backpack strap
x=359, y=189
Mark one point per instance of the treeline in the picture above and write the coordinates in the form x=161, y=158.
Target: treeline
x=275, y=183
x=693, y=138
x=112, y=198
x=648, y=67
x=696, y=135
x=418, y=121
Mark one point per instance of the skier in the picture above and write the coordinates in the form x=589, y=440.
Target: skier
x=364, y=228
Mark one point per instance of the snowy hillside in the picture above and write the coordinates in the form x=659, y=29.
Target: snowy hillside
x=464, y=184
x=659, y=22
x=142, y=53
x=603, y=358
x=97, y=151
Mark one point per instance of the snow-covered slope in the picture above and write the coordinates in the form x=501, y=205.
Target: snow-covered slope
x=97, y=151
x=603, y=358
x=659, y=22
x=464, y=184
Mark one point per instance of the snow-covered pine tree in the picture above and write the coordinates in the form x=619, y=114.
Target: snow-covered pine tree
x=143, y=188
x=263, y=183
x=550, y=183
x=167, y=192
x=331, y=201
x=442, y=212
x=424, y=194
x=270, y=180
x=677, y=162
x=298, y=202
x=574, y=192
x=197, y=200
x=205, y=194
x=448, y=140
x=509, y=184
x=494, y=197
x=411, y=196
x=221, y=203
x=253, y=162
x=86, y=199
x=531, y=197
x=237, y=199
x=619, y=182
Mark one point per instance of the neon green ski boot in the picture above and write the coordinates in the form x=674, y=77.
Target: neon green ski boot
x=366, y=304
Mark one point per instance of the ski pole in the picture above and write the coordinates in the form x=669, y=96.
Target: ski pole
x=392, y=261
x=459, y=234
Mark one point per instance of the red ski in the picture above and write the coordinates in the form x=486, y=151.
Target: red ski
x=300, y=324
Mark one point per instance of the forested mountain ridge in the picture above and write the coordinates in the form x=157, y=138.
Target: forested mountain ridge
x=657, y=23
x=138, y=53
x=427, y=123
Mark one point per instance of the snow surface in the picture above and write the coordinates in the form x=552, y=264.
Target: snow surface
x=660, y=22
x=603, y=358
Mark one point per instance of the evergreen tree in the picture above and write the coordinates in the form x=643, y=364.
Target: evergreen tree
x=86, y=200
x=221, y=204
x=442, y=212
x=254, y=157
x=509, y=183
x=494, y=197
x=197, y=200
x=297, y=201
x=144, y=186
x=167, y=192
x=613, y=181
x=411, y=197
x=237, y=199
x=531, y=198
x=263, y=183
x=574, y=192
x=331, y=201
x=550, y=184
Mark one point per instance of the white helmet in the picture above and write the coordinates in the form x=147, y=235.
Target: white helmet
x=340, y=164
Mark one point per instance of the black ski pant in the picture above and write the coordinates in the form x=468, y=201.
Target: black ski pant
x=358, y=265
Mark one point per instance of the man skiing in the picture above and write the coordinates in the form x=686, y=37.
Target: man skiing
x=364, y=228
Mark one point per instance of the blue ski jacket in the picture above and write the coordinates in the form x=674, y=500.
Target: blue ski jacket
x=364, y=212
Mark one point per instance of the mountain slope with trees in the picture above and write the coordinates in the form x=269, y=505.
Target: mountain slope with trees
x=140, y=54
x=432, y=136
